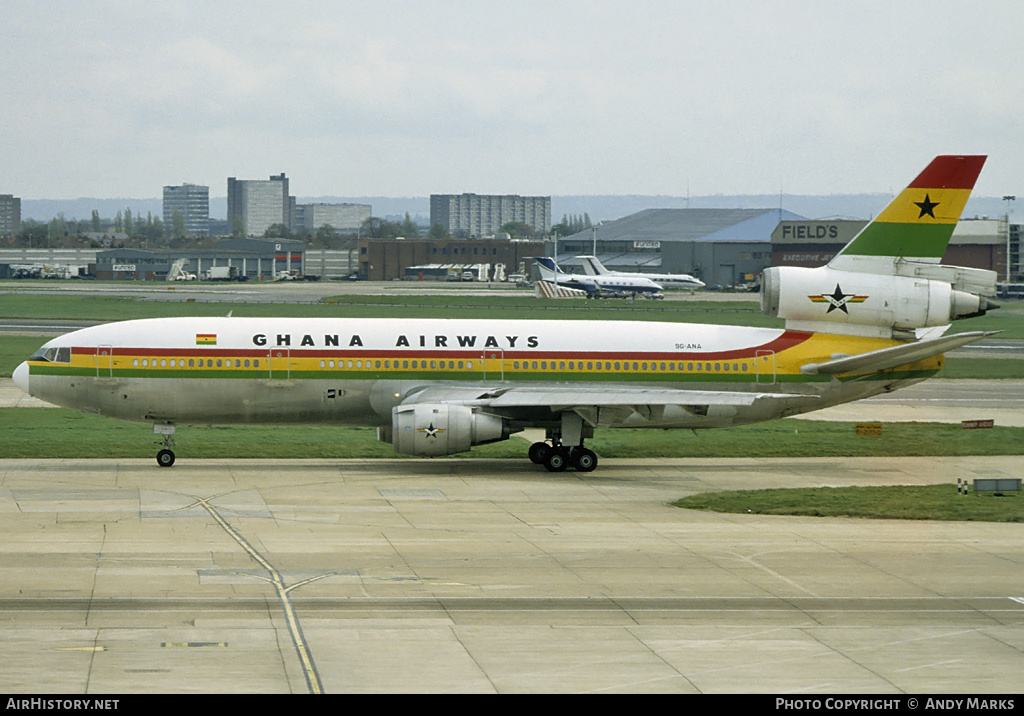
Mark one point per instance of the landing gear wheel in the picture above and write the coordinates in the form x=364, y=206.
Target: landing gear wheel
x=165, y=458
x=539, y=453
x=584, y=459
x=558, y=460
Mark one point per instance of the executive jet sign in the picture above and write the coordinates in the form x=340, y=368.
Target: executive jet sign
x=811, y=243
x=835, y=231
x=792, y=231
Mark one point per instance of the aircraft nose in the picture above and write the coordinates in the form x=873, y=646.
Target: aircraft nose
x=20, y=376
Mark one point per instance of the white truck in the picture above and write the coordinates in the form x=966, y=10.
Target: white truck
x=221, y=273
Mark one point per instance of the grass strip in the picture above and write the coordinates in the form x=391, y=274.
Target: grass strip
x=899, y=502
x=62, y=433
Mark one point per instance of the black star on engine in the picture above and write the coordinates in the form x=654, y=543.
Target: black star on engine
x=838, y=300
x=927, y=207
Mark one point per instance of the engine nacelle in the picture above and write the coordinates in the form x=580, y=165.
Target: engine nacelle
x=823, y=294
x=437, y=429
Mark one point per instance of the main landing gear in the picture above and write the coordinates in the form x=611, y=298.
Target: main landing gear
x=165, y=458
x=566, y=447
x=558, y=457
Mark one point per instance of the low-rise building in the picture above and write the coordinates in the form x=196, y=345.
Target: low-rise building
x=342, y=217
x=251, y=259
x=388, y=259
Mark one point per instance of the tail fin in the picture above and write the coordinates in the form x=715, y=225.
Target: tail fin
x=593, y=267
x=918, y=223
x=547, y=263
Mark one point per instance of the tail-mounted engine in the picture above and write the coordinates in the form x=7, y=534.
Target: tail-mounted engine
x=438, y=429
x=918, y=296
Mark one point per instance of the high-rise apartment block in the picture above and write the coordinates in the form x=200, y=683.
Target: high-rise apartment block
x=192, y=201
x=10, y=215
x=476, y=215
x=343, y=217
x=259, y=204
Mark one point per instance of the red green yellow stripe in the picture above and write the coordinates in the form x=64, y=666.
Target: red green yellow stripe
x=780, y=359
x=827, y=299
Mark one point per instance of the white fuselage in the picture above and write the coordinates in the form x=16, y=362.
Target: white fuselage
x=593, y=267
x=607, y=285
x=355, y=371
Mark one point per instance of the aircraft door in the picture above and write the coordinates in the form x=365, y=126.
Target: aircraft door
x=279, y=362
x=764, y=366
x=105, y=362
x=492, y=355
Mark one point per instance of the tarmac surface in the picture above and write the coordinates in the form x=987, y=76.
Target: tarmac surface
x=464, y=575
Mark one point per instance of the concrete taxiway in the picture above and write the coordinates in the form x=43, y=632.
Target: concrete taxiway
x=465, y=575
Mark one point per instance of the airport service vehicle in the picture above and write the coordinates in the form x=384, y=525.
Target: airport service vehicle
x=593, y=267
x=870, y=321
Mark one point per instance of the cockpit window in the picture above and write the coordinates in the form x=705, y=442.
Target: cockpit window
x=53, y=355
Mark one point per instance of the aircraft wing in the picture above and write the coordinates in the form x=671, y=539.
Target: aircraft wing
x=565, y=398
x=895, y=356
x=603, y=406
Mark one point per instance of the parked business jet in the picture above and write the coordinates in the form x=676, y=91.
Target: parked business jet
x=598, y=286
x=870, y=321
x=593, y=267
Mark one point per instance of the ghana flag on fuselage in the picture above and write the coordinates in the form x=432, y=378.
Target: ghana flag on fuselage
x=918, y=223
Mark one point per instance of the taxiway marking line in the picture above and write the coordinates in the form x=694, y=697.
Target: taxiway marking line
x=294, y=629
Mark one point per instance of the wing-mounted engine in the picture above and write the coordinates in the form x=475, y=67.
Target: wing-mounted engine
x=432, y=429
x=886, y=305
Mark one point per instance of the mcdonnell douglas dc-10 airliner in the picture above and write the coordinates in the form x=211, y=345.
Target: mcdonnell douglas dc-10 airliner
x=872, y=320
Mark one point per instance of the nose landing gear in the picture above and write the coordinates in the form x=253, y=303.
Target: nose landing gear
x=165, y=458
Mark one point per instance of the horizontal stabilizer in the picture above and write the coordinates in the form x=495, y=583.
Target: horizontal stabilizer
x=895, y=356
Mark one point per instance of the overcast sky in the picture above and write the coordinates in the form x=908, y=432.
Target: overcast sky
x=110, y=98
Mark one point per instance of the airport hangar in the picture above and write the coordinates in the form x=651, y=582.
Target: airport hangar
x=390, y=259
x=727, y=248
x=254, y=259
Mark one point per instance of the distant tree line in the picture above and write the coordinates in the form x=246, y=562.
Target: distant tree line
x=328, y=237
x=572, y=224
x=61, y=232
x=151, y=232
